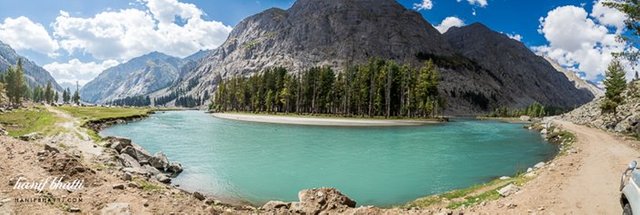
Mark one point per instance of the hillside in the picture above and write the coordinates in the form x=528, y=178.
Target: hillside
x=477, y=75
x=626, y=120
x=34, y=74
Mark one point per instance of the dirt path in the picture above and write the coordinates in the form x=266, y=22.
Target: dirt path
x=76, y=136
x=585, y=182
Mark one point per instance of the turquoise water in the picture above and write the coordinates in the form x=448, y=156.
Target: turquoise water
x=387, y=166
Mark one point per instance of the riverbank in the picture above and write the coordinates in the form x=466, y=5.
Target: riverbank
x=322, y=121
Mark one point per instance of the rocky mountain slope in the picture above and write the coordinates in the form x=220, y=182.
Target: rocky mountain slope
x=139, y=76
x=481, y=69
x=34, y=74
x=577, y=81
x=626, y=120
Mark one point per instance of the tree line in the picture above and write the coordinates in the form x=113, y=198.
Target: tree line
x=16, y=89
x=534, y=110
x=377, y=88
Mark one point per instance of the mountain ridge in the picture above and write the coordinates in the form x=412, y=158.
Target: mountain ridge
x=34, y=74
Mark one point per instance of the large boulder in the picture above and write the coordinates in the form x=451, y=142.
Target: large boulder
x=141, y=155
x=117, y=143
x=321, y=200
x=159, y=161
x=128, y=161
x=175, y=168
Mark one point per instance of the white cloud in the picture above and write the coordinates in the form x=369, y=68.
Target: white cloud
x=517, y=37
x=75, y=70
x=23, y=34
x=129, y=33
x=449, y=22
x=608, y=16
x=580, y=42
x=424, y=5
x=481, y=3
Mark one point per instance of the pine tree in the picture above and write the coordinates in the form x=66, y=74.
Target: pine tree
x=66, y=96
x=48, y=93
x=16, y=85
x=615, y=83
x=76, y=95
x=56, y=97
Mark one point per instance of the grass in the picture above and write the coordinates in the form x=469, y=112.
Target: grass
x=148, y=186
x=86, y=114
x=25, y=121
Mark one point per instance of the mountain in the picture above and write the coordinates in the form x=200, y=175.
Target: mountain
x=139, y=76
x=481, y=69
x=577, y=81
x=524, y=76
x=34, y=74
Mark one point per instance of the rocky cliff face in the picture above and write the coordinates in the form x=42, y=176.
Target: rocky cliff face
x=34, y=74
x=577, y=81
x=481, y=69
x=626, y=120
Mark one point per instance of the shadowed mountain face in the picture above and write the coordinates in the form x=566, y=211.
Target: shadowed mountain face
x=34, y=74
x=481, y=69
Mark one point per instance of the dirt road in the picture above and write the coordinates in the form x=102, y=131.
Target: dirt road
x=585, y=182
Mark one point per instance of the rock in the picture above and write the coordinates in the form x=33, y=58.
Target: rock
x=127, y=176
x=529, y=169
x=51, y=149
x=117, y=143
x=3, y=132
x=198, y=196
x=210, y=201
x=530, y=175
x=151, y=170
x=118, y=187
x=138, y=153
x=175, y=168
x=508, y=190
x=539, y=165
x=505, y=178
x=133, y=185
x=544, y=131
x=74, y=210
x=31, y=136
x=159, y=161
x=525, y=118
x=512, y=206
x=116, y=208
x=275, y=205
x=314, y=201
x=163, y=178
x=128, y=161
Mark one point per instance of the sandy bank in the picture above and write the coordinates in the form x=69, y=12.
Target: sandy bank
x=321, y=121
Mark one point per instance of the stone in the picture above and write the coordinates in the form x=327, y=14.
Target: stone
x=175, y=168
x=314, y=201
x=198, y=196
x=544, y=131
x=31, y=136
x=210, y=201
x=159, y=161
x=118, y=187
x=525, y=118
x=163, y=178
x=529, y=169
x=151, y=170
x=127, y=176
x=116, y=208
x=51, y=149
x=117, y=143
x=138, y=153
x=274, y=205
x=539, y=165
x=505, y=178
x=508, y=190
x=128, y=161
x=3, y=132
x=74, y=210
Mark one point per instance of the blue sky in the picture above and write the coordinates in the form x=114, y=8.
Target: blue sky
x=71, y=46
